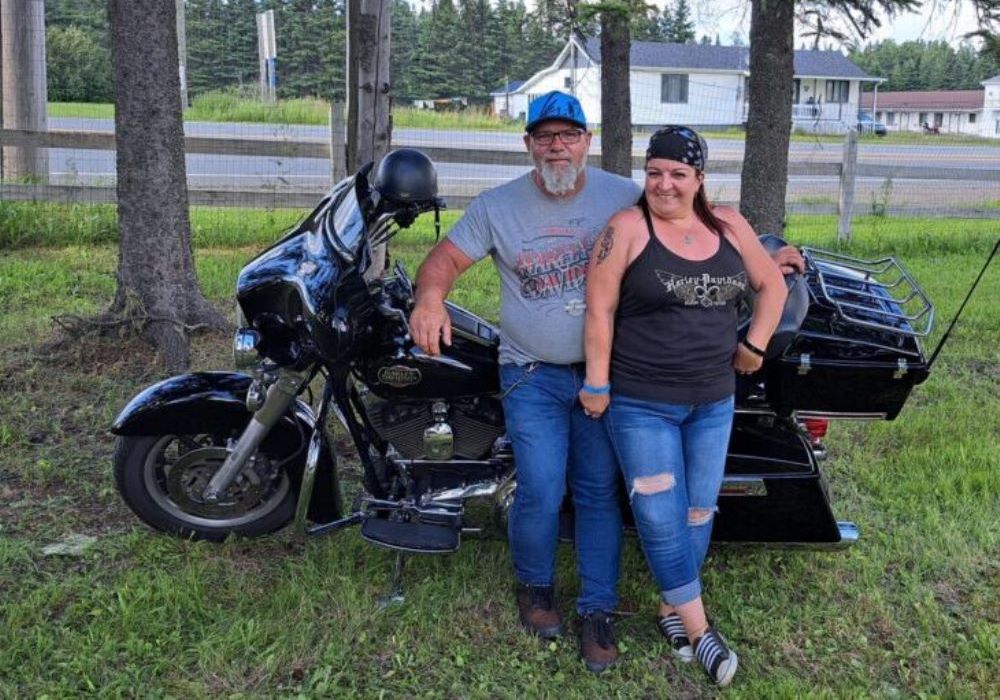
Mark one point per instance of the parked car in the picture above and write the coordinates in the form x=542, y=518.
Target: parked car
x=868, y=125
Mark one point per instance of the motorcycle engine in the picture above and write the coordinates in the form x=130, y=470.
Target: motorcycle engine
x=463, y=429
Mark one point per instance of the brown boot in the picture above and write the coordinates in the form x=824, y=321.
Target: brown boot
x=597, y=641
x=536, y=608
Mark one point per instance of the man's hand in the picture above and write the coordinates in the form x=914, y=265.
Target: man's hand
x=429, y=325
x=789, y=260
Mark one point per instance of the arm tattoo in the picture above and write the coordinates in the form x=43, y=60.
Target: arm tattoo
x=607, y=243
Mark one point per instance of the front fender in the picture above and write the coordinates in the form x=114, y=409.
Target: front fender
x=199, y=402
x=215, y=402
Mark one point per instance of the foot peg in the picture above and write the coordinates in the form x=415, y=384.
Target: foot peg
x=417, y=537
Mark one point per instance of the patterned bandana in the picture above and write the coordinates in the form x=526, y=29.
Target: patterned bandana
x=678, y=143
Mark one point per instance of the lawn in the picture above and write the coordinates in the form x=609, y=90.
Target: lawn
x=913, y=609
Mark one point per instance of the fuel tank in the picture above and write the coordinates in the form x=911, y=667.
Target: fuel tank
x=468, y=367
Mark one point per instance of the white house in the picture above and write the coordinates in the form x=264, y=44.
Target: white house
x=990, y=125
x=703, y=85
x=947, y=111
x=508, y=102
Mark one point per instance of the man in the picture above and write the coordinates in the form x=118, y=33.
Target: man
x=540, y=229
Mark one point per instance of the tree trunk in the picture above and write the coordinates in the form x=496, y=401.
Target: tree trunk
x=765, y=162
x=616, y=95
x=157, y=285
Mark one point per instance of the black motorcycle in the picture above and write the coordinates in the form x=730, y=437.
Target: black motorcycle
x=211, y=454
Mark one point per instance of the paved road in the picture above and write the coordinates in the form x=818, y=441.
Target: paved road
x=97, y=167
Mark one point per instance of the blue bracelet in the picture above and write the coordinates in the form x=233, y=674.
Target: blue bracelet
x=599, y=390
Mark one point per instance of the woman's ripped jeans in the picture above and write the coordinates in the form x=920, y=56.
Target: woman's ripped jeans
x=673, y=457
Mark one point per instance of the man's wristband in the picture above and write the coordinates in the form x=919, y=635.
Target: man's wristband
x=599, y=390
x=752, y=348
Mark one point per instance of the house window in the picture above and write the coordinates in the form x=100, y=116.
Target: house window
x=837, y=91
x=972, y=117
x=674, y=88
x=890, y=118
x=923, y=118
x=568, y=82
x=938, y=118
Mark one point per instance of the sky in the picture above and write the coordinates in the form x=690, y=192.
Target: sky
x=937, y=20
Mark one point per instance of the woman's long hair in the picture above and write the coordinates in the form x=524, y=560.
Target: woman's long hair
x=702, y=209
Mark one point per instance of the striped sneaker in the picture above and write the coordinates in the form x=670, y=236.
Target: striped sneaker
x=672, y=628
x=718, y=660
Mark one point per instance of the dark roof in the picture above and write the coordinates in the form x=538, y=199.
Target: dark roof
x=509, y=87
x=654, y=54
x=916, y=100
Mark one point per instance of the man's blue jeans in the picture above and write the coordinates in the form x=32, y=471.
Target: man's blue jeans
x=673, y=457
x=555, y=443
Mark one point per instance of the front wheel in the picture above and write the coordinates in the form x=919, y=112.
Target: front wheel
x=162, y=477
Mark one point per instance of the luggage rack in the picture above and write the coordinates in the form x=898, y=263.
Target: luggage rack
x=879, y=294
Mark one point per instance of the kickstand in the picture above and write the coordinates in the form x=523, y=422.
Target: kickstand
x=395, y=596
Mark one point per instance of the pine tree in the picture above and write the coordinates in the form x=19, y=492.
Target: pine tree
x=311, y=44
x=683, y=26
x=646, y=25
x=440, y=33
x=405, y=44
x=206, y=50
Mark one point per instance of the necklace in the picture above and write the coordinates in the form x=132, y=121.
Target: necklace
x=687, y=238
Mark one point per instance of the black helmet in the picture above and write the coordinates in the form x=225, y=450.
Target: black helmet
x=406, y=176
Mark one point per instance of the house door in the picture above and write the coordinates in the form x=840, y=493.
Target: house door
x=798, y=85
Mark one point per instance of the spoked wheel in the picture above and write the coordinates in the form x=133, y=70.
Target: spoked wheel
x=162, y=479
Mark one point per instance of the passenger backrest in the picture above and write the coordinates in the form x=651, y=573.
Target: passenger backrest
x=796, y=306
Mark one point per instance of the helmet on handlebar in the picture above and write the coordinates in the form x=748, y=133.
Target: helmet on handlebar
x=406, y=176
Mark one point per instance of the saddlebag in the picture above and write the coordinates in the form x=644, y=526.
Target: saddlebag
x=858, y=353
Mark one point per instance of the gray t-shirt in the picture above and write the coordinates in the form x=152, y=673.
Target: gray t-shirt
x=541, y=246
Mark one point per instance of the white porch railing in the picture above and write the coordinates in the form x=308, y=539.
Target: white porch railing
x=831, y=111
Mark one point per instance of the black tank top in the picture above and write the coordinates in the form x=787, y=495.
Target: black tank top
x=675, y=328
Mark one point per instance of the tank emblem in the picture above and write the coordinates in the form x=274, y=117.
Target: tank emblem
x=399, y=376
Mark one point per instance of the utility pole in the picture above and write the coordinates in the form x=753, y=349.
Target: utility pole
x=369, y=136
x=25, y=96
x=353, y=8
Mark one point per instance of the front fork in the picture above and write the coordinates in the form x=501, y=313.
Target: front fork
x=280, y=396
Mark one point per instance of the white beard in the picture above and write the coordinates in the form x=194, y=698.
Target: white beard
x=558, y=179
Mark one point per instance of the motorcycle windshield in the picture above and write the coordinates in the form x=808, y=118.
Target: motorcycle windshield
x=344, y=222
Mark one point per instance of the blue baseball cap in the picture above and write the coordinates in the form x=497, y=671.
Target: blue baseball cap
x=555, y=105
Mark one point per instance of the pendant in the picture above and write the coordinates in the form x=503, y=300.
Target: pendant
x=688, y=239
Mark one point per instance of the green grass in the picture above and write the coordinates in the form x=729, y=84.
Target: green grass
x=227, y=106
x=911, y=610
x=87, y=110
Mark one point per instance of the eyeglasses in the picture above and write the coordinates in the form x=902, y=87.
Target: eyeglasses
x=567, y=136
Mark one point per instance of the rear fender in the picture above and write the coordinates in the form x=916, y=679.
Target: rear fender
x=215, y=402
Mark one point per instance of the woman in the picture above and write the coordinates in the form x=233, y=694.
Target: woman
x=665, y=281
